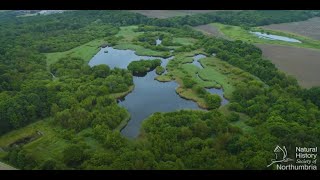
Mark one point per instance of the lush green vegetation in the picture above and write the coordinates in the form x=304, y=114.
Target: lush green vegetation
x=160, y=70
x=239, y=33
x=143, y=66
x=57, y=112
x=238, y=18
x=85, y=51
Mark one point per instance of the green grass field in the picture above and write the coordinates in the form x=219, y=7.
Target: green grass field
x=141, y=51
x=128, y=33
x=85, y=51
x=238, y=33
x=184, y=41
x=216, y=73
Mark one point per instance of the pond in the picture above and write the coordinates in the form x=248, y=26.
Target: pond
x=196, y=59
x=220, y=93
x=158, y=42
x=118, y=58
x=274, y=37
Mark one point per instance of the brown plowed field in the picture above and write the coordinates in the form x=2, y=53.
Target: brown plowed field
x=303, y=64
x=161, y=14
x=309, y=28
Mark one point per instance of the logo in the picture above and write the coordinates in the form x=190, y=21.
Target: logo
x=280, y=155
x=305, y=158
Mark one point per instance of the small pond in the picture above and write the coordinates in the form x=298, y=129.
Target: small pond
x=158, y=42
x=274, y=37
x=196, y=59
x=220, y=93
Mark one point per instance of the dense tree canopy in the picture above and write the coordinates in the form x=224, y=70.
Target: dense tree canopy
x=143, y=66
x=80, y=101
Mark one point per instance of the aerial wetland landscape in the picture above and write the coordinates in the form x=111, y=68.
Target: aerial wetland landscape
x=157, y=89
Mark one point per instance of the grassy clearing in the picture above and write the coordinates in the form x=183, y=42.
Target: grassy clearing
x=53, y=141
x=211, y=29
x=128, y=33
x=184, y=41
x=215, y=73
x=238, y=33
x=13, y=136
x=141, y=51
x=224, y=74
x=85, y=51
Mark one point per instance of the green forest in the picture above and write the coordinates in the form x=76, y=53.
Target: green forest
x=64, y=114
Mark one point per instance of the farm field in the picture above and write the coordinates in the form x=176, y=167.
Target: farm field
x=238, y=33
x=162, y=14
x=302, y=63
x=309, y=28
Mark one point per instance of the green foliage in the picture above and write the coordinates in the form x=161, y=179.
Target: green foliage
x=74, y=155
x=313, y=94
x=160, y=70
x=143, y=66
x=245, y=18
x=51, y=164
x=188, y=82
x=84, y=115
x=101, y=71
x=233, y=117
x=213, y=101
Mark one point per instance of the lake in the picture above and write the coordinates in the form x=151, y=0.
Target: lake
x=149, y=95
x=274, y=37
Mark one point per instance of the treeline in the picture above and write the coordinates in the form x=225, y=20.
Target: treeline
x=238, y=18
x=23, y=68
x=83, y=97
x=177, y=140
x=249, y=58
x=60, y=32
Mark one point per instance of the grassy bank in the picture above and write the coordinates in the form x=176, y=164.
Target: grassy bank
x=85, y=51
x=238, y=33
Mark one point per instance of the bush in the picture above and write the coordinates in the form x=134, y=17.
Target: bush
x=74, y=155
x=143, y=66
x=160, y=70
x=233, y=117
x=213, y=101
x=188, y=82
